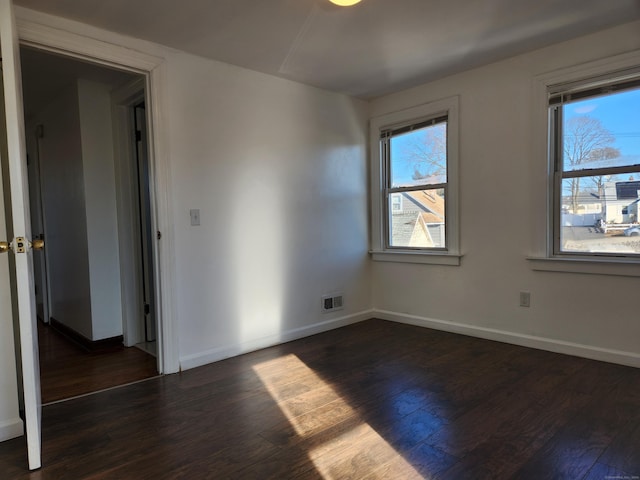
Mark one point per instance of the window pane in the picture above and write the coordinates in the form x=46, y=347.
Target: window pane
x=417, y=219
x=602, y=132
x=419, y=157
x=598, y=214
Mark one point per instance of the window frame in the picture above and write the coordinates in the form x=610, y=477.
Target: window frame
x=543, y=255
x=559, y=96
x=380, y=185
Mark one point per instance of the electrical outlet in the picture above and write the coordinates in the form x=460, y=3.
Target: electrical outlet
x=525, y=299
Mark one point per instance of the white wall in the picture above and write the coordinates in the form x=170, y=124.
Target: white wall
x=278, y=171
x=502, y=185
x=94, y=100
x=63, y=195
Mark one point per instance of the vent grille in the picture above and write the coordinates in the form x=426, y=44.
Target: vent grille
x=332, y=302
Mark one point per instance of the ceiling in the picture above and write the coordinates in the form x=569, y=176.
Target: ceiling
x=373, y=48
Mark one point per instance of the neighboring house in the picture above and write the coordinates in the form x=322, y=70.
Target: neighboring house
x=621, y=201
x=418, y=219
x=618, y=204
x=611, y=201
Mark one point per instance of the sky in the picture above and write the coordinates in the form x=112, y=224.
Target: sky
x=402, y=166
x=619, y=113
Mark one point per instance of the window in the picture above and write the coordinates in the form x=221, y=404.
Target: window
x=595, y=160
x=414, y=181
x=415, y=160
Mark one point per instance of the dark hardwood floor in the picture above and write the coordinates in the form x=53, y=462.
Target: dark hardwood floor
x=373, y=400
x=67, y=370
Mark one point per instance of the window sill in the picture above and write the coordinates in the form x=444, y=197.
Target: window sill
x=624, y=267
x=417, y=257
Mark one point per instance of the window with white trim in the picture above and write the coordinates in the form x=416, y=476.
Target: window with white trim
x=415, y=182
x=595, y=166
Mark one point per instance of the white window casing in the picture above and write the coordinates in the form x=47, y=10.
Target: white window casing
x=548, y=90
x=380, y=249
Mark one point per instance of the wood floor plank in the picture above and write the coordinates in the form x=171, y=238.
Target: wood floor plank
x=581, y=441
x=625, y=449
x=600, y=471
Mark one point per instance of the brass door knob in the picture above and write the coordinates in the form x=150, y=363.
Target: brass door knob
x=4, y=247
x=37, y=244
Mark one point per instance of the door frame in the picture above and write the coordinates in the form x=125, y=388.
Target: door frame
x=33, y=33
x=130, y=217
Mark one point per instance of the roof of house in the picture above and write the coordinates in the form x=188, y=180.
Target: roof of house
x=432, y=218
x=431, y=202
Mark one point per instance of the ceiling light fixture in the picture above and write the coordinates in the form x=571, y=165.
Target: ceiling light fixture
x=345, y=3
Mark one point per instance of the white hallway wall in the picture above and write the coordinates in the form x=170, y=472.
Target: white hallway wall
x=94, y=107
x=501, y=202
x=63, y=196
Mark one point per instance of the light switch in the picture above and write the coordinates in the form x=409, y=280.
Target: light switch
x=195, y=217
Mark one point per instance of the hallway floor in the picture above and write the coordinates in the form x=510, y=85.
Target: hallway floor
x=67, y=370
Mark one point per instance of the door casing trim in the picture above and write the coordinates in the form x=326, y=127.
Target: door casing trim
x=35, y=34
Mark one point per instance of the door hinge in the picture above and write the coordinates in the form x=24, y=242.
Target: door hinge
x=159, y=235
x=147, y=309
x=138, y=136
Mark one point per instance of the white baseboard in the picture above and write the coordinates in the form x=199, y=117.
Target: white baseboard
x=216, y=354
x=558, y=346
x=11, y=429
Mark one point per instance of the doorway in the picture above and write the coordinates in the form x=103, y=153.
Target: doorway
x=89, y=184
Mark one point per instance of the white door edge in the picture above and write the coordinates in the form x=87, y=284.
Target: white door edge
x=16, y=147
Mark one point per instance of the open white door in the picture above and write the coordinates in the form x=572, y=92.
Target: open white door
x=21, y=244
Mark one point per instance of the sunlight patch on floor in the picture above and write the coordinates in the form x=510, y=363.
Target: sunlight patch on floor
x=341, y=444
